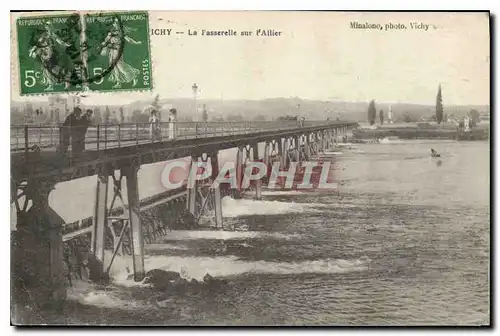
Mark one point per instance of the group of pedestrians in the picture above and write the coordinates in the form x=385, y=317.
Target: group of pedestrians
x=155, y=131
x=74, y=129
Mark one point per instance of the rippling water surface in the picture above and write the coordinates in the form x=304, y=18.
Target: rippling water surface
x=404, y=240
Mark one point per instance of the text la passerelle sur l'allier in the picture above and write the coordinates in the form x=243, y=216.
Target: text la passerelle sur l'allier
x=227, y=32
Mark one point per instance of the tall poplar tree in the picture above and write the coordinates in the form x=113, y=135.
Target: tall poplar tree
x=439, y=106
x=372, y=112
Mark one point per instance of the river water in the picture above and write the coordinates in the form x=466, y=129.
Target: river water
x=404, y=240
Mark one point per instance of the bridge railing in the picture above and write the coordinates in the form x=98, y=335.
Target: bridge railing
x=106, y=136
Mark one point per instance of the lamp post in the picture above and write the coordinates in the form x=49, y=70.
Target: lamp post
x=204, y=115
x=195, y=91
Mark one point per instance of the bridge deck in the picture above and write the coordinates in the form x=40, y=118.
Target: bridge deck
x=110, y=144
x=48, y=137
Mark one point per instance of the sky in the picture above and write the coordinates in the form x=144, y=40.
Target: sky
x=317, y=56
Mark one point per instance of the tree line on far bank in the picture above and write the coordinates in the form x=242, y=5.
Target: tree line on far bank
x=439, y=116
x=372, y=114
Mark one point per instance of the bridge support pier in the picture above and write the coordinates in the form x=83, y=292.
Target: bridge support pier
x=286, y=153
x=300, y=149
x=256, y=155
x=281, y=152
x=136, y=234
x=99, y=226
x=191, y=190
x=315, y=144
x=37, y=248
x=265, y=158
x=319, y=137
x=324, y=135
x=239, y=173
x=297, y=148
x=311, y=145
x=258, y=183
x=214, y=160
x=307, y=148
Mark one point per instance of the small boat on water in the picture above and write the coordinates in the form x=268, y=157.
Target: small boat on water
x=434, y=153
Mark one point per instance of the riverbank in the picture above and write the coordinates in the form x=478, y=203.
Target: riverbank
x=412, y=131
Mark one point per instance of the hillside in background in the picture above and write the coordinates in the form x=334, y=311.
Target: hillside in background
x=270, y=109
x=311, y=109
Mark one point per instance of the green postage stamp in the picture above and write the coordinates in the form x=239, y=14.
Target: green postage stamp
x=72, y=52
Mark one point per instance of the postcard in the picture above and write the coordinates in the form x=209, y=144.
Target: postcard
x=250, y=168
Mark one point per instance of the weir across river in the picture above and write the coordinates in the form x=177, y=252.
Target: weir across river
x=118, y=151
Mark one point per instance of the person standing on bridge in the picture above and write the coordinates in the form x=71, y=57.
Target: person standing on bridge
x=66, y=131
x=154, y=126
x=80, y=131
x=172, y=124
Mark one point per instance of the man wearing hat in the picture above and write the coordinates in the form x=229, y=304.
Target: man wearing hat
x=80, y=131
x=67, y=130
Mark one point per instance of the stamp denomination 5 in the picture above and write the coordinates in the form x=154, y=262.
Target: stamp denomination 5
x=49, y=53
x=118, y=51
